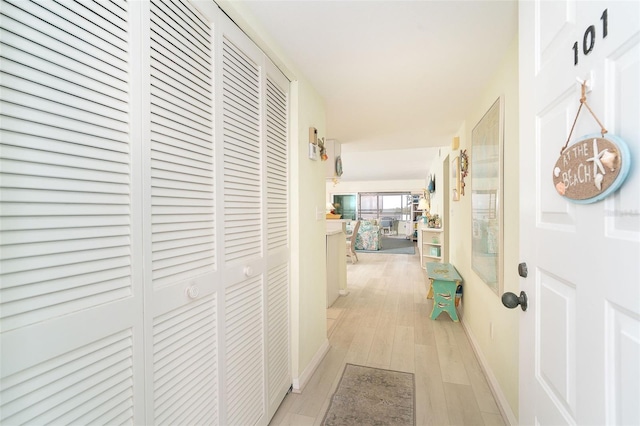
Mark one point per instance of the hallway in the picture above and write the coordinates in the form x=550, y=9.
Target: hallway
x=384, y=322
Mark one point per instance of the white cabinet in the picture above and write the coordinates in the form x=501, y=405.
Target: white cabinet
x=431, y=245
x=405, y=228
x=336, y=264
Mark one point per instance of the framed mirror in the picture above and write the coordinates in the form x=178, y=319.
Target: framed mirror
x=486, y=168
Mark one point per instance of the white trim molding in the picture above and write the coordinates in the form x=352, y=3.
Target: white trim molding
x=300, y=382
x=501, y=400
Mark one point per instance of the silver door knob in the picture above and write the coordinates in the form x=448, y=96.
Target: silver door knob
x=510, y=300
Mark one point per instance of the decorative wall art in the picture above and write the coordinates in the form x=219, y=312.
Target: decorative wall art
x=592, y=167
x=323, y=150
x=431, y=186
x=464, y=169
x=486, y=197
x=316, y=146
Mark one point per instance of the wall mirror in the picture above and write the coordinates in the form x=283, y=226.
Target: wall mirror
x=486, y=197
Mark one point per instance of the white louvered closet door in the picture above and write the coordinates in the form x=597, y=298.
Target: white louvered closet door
x=144, y=229
x=71, y=292
x=276, y=201
x=253, y=182
x=241, y=243
x=182, y=359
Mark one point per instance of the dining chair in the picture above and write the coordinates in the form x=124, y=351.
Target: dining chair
x=351, y=243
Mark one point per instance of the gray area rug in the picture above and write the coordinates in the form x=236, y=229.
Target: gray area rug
x=372, y=396
x=393, y=246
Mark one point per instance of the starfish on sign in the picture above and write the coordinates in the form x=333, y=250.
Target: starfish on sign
x=597, y=164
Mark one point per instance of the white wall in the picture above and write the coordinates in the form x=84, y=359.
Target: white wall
x=482, y=308
x=308, y=256
x=309, y=274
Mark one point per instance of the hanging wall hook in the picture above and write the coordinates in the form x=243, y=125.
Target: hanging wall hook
x=586, y=82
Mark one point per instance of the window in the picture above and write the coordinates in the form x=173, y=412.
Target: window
x=383, y=204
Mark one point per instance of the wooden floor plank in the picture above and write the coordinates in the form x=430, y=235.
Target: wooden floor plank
x=384, y=322
x=402, y=354
x=462, y=406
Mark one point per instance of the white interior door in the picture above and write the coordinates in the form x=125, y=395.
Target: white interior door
x=580, y=338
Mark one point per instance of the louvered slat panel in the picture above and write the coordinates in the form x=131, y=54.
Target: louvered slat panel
x=78, y=147
x=244, y=378
x=93, y=12
x=182, y=175
x=184, y=15
x=278, y=330
x=98, y=58
x=80, y=26
x=39, y=96
x=114, y=8
x=53, y=287
x=78, y=125
x=185, y=364
x=65, y=161
x=46, y=222
x=88, y=382
x=172, y=37
x=241, y=140
x=60, y=165
x=45, y=235
x=277, y=177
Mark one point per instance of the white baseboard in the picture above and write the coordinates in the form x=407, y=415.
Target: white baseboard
x=503, y=404
x=343, y=292
x=300, y=382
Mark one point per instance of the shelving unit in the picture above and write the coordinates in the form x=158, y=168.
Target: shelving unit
x=415, y=215
x=431, y=245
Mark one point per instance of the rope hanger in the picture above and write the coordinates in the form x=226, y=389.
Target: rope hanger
x=583, y=101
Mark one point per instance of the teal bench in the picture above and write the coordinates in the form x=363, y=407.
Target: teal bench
x=444, y=282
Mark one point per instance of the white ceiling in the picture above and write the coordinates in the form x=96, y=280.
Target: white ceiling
x=394, y=74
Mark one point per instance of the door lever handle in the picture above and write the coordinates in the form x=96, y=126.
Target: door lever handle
x=510, y=300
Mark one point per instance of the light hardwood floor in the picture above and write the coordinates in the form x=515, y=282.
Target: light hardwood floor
x=384, y=322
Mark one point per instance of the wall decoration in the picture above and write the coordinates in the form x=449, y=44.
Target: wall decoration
x=316, y=146
x=431, y=186
x=464, y=169
x=323, y=150
x=591, y=168
x=486, y=197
